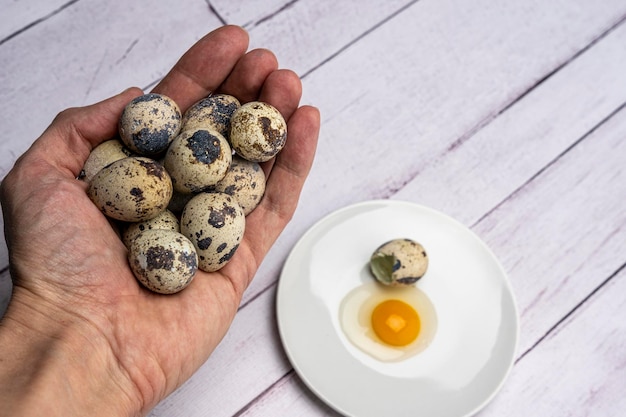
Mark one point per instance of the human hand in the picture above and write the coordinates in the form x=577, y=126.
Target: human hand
x=95, y=340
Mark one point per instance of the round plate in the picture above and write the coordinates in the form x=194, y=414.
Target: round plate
x=472, y=351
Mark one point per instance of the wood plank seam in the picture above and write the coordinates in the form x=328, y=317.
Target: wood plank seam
x=272, y=15
x=216, y=13
x=559, y=323
x=357, y=39
x=38, y=21
x=259, y=293
x=487, y=120
x=263, y=393
x=551, y=163
x=493, y=116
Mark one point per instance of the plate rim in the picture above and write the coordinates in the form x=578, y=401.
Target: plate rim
x=389, y=202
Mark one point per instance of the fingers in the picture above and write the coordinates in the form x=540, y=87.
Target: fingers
x=283, y=90
x=205, y=66
x=285, y=182
x=247, y=78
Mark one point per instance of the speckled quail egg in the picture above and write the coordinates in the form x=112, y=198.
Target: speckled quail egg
x=197, y=159
x=399, y=262
x=166, y=220
x=149, y=123
x=132, y=189
x=258, y=131
x=244, y=180
x=164, y=261
x=102, y=155
x=215, y=223
x=214, y=112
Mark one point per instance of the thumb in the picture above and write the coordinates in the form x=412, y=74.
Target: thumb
x=74, y=132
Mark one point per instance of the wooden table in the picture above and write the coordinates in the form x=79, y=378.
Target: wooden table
x=506, y=115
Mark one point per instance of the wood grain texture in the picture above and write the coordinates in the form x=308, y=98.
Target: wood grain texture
x=578, y=370
x=248, y=14
x=19, y=16
x=564, y=232
x=373, y=118
x=503, y=154
x=537, y=232
x=509, y=116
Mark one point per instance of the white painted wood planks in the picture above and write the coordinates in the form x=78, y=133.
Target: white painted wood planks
x=578, y=369
x=453, y=96
x=19, y=16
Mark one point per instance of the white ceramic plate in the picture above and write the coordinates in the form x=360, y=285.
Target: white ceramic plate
x=473, y=349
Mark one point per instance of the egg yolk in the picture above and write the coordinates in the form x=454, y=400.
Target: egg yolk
x=395, y=322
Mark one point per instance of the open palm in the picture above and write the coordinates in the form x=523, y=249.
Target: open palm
x=68, y=263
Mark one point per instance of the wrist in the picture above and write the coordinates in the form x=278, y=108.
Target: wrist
x=55, y=363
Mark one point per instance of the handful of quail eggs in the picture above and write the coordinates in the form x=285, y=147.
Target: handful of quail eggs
x=182, y=184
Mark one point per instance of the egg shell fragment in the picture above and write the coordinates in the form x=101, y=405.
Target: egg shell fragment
x=149, y=123
x=197, y=159
x=258, y=131
x=102, y=155
x=132, y=189
x=166, y=220
x=212, y=112
x=215, y=223
x=244, y=180
x=399, y=262
x=164, y=261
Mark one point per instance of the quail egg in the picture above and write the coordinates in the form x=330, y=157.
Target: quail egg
x=164, y=261
x=166, y=220
x=215, y=223
x=149, y=123
x=197, y=159
x=214, y=112
x=399, y=262
x=102, y=155
x=388, y=323
x=244, y=180
x=258, y=131
x=132, y=189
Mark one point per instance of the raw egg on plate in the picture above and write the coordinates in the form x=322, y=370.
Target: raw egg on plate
x=388, y=323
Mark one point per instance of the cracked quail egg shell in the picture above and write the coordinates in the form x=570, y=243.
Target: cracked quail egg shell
x=244, y=180
x=132, y=189
x=197, y=159
x=214, y=112
x=102, y=155
x=149, y=123
x=399, y=262
x=166, y=220
x=215, y=223
x=164, y=261
x=258, y=131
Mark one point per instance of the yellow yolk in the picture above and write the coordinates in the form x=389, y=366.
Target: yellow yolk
x=395, y=322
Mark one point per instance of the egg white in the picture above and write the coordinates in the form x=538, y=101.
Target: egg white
x=355, y=313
